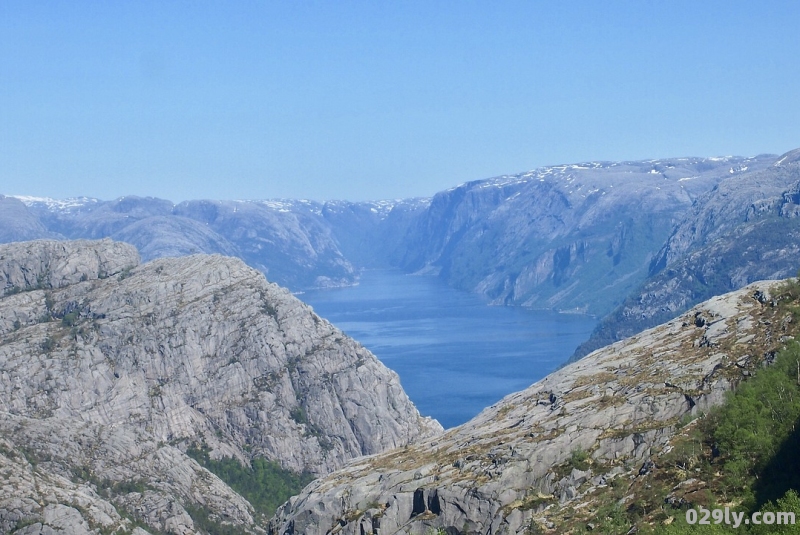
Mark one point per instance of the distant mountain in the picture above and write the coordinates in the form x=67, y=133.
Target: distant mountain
x=17, y=223
x=573, y=237
x=592, y=238
x=299, y=244
x=745, y=229
x=112, y=373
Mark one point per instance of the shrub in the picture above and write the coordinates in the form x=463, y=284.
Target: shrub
x=265, y=484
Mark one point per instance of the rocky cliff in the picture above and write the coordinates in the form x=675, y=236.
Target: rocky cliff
x=111, y=369
x=513, y=468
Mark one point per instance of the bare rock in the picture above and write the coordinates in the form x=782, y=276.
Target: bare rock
x=110, y=370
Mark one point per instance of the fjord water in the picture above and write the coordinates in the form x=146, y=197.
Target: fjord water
x=454, y=354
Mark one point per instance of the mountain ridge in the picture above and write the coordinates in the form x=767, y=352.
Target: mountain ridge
x=596, y=237
x=745, y=229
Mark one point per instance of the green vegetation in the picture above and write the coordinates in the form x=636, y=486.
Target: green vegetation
x=49, y=344
x=69, y=320
x=298, y=414
x=125, y=273
x=12, y=290
x=206, y=523
x=265, y=484
x=755, y=429
x=747, y=449
x=579, y=459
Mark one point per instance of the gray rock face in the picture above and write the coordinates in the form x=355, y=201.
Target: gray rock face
x=109, y=370
x=498, y=472
x=40, y=265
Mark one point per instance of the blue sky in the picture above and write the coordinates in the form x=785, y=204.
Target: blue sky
x=380, y=99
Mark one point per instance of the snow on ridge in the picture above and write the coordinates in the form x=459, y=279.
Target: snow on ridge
x=287, y=205
x=380, y=207
x=56, y=204
x=564, y=171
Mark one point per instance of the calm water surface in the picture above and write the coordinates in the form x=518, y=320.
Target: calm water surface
x=454, y=354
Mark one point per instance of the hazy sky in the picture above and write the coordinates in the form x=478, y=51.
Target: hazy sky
x=378, y=99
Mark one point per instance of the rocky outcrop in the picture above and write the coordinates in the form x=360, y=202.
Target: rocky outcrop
x=43, y=265
x=510, y=467
x=110, y=370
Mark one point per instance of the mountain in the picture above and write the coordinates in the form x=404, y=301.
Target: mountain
x=113, y=372
x=573, y=237
x=745, y=229
x=299, y=244
x=17, y=223
x=599, y=237
x=547, y=458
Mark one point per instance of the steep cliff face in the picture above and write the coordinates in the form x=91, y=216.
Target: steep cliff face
x=287, y=241
x=110, y=370
x=572, y=237
x=745, y=229
x=510, y=467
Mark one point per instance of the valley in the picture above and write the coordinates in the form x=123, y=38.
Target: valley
x=454, y=355
x=156, y=362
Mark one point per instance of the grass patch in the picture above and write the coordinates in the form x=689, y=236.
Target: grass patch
x=265, y=484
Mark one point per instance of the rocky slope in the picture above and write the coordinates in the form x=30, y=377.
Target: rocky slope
x=111, y=369
x=745, y=229
x=511, y=469
x=572, y=237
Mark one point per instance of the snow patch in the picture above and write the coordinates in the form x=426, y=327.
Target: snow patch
x=56, y=204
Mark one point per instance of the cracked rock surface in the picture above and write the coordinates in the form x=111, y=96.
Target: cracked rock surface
x=111, y=369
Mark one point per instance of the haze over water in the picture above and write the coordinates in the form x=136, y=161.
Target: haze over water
x=454, y=354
